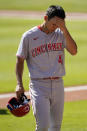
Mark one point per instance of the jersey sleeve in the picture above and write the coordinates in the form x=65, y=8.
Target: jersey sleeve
x=23, y=47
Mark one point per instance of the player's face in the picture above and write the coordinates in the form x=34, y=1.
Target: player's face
x=52, y=24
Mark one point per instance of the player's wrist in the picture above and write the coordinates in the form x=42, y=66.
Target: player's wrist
x=19, y=87
x=20, y=84
x=19, y=91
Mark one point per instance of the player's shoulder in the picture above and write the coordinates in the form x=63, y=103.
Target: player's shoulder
x=31, y=32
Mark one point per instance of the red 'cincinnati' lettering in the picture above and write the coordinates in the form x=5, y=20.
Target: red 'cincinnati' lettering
x=43, y=48
x=54, y=46
x=59, y=46
x=38, y=51
x=33, y=52
x=47, y=48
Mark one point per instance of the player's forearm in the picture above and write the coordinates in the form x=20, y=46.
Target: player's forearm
x=70, y=43
x=19, y=72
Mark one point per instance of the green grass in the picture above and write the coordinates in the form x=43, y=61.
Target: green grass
x=75, y=116
x=76, y=72
x=74, y=119
x=69, y=5
x=11, y=31
x=13, y=123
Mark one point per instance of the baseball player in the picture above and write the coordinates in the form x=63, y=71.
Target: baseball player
x=43, y=49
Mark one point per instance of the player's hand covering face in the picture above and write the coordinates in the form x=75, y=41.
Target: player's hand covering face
x=55, y=23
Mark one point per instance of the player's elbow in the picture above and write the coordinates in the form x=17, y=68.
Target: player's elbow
x=74, y=52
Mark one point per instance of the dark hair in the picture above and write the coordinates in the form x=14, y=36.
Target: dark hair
x=53, y=11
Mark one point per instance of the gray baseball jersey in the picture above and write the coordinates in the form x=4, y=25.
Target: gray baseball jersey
x=44, y=53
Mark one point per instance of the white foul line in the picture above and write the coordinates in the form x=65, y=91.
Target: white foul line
x=8, y=95
x=68, y=89
x=76, y=88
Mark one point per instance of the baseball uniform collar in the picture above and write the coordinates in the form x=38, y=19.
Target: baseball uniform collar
x=40, y=28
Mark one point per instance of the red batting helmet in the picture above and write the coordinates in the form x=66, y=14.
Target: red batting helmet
x=17, y=108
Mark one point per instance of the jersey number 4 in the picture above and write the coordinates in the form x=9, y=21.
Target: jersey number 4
x=60, y=59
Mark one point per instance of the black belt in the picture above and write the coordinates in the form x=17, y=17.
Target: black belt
x=47, y=78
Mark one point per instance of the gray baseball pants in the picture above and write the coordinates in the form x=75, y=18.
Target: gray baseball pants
x=47, y=97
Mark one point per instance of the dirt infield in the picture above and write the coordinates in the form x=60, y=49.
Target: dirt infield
x=76, y=95
x=38, y=15
x=71, y=94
